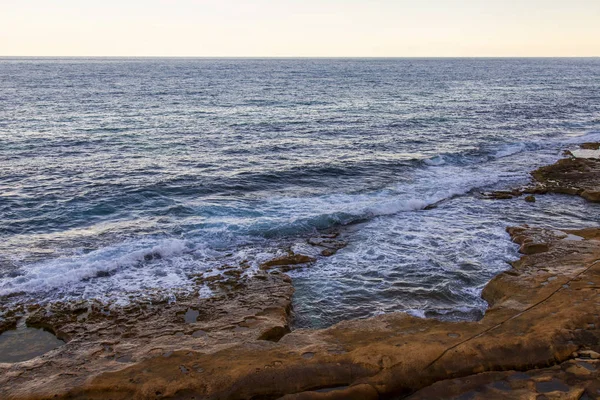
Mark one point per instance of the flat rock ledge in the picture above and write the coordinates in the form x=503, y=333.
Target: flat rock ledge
x=540, y=336
x=577, y=174
x=573, y=175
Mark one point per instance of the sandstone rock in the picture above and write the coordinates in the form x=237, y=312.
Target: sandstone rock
x=290, y=259
x=590, y=146
x=544, y=383
x=591, y=195
x=327, y=243
x=356, y=392
x=238, y=346
x=533, y=248
x=576, y=176
x=589, y=354
x=328, y=252
x=578, y=370
x=102, y=338
x=537, y=189
x=503, y=194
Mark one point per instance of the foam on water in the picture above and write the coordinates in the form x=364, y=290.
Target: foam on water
x=437, y=160
x=128, y=265
x=510, y=149
x=159, y=265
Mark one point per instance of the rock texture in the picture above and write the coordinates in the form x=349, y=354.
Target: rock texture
x=590, y=146
x=287, y=262
x=541, y=311
x=574, y=175
x=577, y=378
x=578, y=174
x=101, y=339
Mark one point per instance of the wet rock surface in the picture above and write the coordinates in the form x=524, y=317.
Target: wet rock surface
x=288, y=262
x=329, y=244
x=100, y=339
x=590, y=146
x=576, y=175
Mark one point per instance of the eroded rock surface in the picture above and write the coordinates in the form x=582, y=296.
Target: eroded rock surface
x=101, y=339
x=541, y=311
x=288, y=262
x=576, y=175
x=577, y=378
x=328, y=243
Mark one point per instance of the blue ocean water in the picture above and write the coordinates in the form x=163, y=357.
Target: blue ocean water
x=214, y=161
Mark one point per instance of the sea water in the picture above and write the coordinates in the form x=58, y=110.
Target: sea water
x=124, y=177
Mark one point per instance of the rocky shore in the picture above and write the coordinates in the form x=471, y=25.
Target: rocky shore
x=540, y=337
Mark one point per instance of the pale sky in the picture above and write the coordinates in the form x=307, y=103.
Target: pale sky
x=302, y=28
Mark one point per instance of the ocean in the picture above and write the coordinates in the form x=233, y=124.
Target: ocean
x=124, y=177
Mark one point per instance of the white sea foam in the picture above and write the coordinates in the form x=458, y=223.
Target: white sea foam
x=416, y=313
x=121, y=262
x=204, y=292
x=510, y=149
x=593, y=136
x=435, y=161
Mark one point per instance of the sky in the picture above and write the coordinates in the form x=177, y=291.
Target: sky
x=300, y=28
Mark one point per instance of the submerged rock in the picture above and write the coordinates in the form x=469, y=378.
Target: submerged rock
x=503, y=194
x=328, y=243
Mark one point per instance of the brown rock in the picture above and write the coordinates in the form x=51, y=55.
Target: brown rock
x=579, y=370
x=589, y=354
x=530, y=198
x=540, y=313
x=356, y=392
x=328, y=252
x=555, y=383
x=590, y=146
x=533, y=248
x=537, y=189
x=503, y=194
x=327, y=243
x=591, y=195
x=290, y=259
x=576, y=176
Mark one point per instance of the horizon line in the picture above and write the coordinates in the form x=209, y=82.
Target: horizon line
x=285, y=57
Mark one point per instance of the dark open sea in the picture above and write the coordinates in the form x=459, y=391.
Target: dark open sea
x=209, y=162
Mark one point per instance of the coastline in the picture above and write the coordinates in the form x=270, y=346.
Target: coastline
x=541, y=320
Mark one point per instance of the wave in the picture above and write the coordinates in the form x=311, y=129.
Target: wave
x=510, y=149
x=63, y=272
x=109, y=201
x=225, y=225
x=435, y=161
